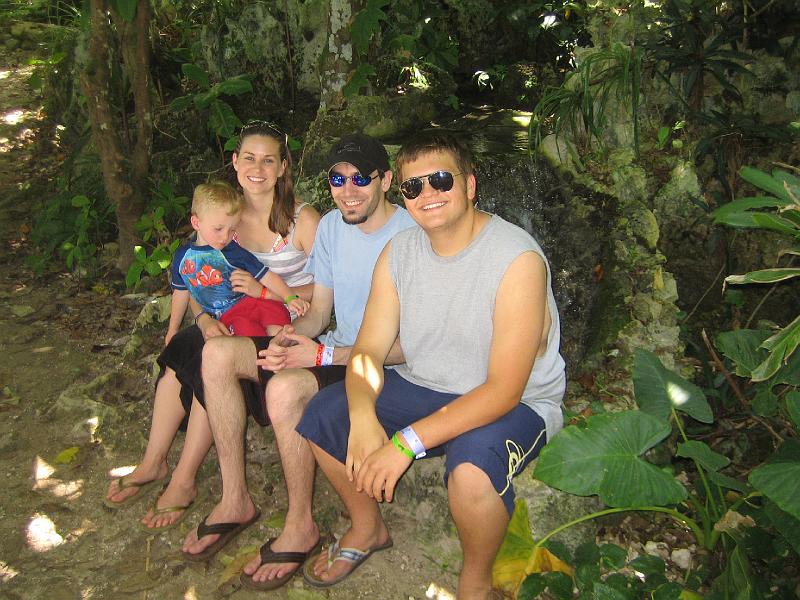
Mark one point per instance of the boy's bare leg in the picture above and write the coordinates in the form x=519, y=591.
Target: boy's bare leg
x=481, y=520
x=367, y=528
x=167, y=416
x=288, y=392
x=182, y=489
x=225, y=361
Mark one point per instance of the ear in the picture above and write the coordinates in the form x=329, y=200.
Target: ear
x=234, y=160
x=195, y=222
x=283, y=168
x=386, y=182
x=471, y=187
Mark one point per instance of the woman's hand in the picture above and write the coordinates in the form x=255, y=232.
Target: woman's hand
x=210, y=327
x=243, y=282
x=170, y=334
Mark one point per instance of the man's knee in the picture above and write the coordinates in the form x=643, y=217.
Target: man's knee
x=287, y=394
x=467, y=483
x=229, y=355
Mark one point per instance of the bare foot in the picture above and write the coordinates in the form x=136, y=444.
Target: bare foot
x=287, y=541
x=220, y=514
x=139, y=476
x=175, y=494
x=364, y=542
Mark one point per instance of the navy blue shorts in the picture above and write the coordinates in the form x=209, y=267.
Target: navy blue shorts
x=501, y=449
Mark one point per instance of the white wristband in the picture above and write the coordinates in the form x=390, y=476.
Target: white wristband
x=327, y=356
x=413, y=441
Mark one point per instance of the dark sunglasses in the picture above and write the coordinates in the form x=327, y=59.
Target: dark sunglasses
x=441, y=181
x=338, y=180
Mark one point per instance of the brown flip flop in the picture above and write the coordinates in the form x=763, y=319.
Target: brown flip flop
x=269, y=556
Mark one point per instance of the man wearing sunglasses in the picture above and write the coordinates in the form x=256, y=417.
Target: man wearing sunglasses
x=347, y=244
x=468, y=297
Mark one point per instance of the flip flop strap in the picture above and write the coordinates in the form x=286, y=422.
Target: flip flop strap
x=215, y=528
x=269, y=556
x=335, y=552
x=169, y=509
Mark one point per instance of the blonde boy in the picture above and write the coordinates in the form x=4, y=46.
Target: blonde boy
x=202, y=269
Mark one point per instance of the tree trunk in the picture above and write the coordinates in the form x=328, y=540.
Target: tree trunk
x=339, y=57
x=126, y=183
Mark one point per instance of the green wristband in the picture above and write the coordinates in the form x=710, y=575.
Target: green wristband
x=399, y=445
x=290, y=298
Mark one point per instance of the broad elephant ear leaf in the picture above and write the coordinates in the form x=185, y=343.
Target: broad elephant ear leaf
x=512, y=558
x=658, y=390
x=604, y=458
x=779, y=478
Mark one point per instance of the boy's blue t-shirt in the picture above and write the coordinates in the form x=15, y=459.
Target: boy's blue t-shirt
x=206, y=273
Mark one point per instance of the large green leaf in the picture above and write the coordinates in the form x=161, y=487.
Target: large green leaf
x=196, y=74
x=744, y=348
x=763, y=276
x=235, y=86
x=222, y=120
x=737, y=213
x=659, y=390
x=765, y=181
x=779, y=478
x=785, y=524
x=603, y=458
x=793, y=408
x=512, y=558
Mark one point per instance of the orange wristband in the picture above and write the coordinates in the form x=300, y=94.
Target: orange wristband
x=264, y=292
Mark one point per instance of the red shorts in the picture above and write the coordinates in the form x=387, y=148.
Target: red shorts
x=250, y=316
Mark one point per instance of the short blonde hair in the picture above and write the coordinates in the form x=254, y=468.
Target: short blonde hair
x=216, y=194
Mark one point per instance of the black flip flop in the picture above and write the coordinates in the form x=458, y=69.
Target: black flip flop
x=226, y=532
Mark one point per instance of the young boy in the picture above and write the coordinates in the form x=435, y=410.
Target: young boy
x=202, y=269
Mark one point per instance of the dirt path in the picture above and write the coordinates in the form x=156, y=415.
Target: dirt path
x=73, y=407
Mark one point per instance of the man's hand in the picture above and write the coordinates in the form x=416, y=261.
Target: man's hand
x=381, y=471
x=275, y=357
x=244, y=283
x=366, y=436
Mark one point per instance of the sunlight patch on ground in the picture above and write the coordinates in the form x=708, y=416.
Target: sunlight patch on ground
x=191, y=594
x=121, y=471
x=13, y=117
x=4, y=74
x=436, y=592
x=42, y=469
x=7, y=573
x=41, y=534
x=42, y=472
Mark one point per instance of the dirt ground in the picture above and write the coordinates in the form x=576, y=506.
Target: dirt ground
x=74, y=406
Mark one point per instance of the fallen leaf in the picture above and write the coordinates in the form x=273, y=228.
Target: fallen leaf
x=235, y=564
x=21, y=310
x=66, y=456
x=43, y=349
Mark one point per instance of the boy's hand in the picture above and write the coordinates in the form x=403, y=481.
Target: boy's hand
x=210, y=327
x=298, y=306
x=244, y=283
x=170, y=334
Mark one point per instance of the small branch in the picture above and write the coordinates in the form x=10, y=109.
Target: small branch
x=703, y=297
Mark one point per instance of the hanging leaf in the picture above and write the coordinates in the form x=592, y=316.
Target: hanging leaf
x=512, y=558
x=785, y=524
x=703, y=455
x=366, y=23
x=659, y=390
x=124, y=8
x=763, y=276
x=769, y=183
x=235, y=86
x=222, y=120
x=793, y=407
x=781, y=347
x=603, y=458
x=779, y=478
x=358, y=79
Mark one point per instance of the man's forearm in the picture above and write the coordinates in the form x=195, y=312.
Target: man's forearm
x=342, y=354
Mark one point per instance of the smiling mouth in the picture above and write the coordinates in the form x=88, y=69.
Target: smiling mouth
x=352, y=203
x=434, y=205
x=256, y=179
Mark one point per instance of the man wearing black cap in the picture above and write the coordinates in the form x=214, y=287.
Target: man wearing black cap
x=348, y=242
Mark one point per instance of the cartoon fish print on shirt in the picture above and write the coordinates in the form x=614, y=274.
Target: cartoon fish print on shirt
x=208, y=276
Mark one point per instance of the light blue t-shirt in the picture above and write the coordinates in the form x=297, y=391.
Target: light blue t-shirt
x=342, y=259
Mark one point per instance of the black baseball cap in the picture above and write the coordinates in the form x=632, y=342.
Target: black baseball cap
x=363, y=152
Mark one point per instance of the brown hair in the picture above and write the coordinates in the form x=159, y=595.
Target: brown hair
x=216, y=194
x=281, y=217
x=431, y=141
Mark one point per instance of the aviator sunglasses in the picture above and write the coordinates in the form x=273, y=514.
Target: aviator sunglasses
x=441, y=181
x=338, y=180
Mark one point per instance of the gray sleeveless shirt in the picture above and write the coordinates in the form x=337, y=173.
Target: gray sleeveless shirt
x=446, y=309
